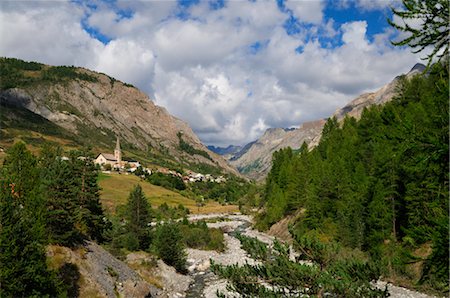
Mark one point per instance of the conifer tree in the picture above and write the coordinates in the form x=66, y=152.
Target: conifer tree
x=139, y=217
x=169, y=246
x=92, y=218
x=61, y=188
x=434, y=29
x=23, y=267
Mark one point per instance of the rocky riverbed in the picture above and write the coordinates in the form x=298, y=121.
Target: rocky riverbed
x=203, y=283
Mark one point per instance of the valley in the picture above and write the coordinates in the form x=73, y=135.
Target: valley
x=116, y=187
x=110, y=190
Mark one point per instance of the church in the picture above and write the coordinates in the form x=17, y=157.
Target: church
x=115, y=160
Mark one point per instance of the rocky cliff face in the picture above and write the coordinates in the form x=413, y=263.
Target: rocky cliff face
x=226, y=152
x=255, y=161
x=100, y=108
x=381, y=96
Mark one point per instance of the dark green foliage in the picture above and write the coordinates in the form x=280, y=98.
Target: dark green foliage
x=130, y=227
x=255, y=248
x=198, y=235
x=186, y=147
x=60, y=73
x=166, y=181
x=278, y=275
x=18, y=73
x=168, y=244
x=73, y=198
x=138, y=219
x=230, y=191
x=165, y=212
x=435, y=271
x=379, y=184
x=434, y=29
x=23, y=268
x=70, y=276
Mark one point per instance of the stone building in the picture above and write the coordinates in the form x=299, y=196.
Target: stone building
x=115, y=160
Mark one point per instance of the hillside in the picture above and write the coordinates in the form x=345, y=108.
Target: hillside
x=378, y=185
x=75, y=106
x=255, y=160
x=116, y=189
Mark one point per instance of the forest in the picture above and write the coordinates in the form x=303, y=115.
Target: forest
x=378, y=184
x=54, y=199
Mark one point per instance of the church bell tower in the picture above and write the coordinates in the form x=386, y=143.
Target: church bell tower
x=118, y=152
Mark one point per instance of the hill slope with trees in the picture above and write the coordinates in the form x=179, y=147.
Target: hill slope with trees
x=379, y=184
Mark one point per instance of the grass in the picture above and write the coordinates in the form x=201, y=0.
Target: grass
x=116, y=189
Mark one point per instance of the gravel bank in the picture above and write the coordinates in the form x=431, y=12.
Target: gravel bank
x=199, y=260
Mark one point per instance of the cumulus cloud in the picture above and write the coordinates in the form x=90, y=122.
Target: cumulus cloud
x=231, y=72
x=307, y=11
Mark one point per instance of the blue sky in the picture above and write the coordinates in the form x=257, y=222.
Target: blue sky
x=231, y=69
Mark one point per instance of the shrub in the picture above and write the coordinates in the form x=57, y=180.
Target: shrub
x=169, y=246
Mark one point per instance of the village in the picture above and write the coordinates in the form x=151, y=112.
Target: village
x=114, y=162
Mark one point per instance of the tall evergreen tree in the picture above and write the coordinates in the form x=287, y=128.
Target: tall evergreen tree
x=61, y=189
x=139, y=216
x=169, y=246
x=434, y=29
x=23, y=268
x=92, y=219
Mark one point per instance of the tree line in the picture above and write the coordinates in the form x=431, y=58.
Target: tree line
x=379, y=184
x=44, y=200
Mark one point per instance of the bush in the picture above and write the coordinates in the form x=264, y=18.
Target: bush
x=169, y=246
x=167, y=181
x=198, y=235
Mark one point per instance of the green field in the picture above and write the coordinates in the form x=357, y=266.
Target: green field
x=116, y=188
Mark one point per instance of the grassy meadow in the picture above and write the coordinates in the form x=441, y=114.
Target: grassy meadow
x=116, y=188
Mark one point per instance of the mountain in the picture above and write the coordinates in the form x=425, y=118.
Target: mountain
x=225, y=151
x=255, y=161
x=75, y=106
x=379, y=97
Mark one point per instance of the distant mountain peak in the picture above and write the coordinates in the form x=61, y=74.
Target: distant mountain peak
x=255, y=159
x=418, y=67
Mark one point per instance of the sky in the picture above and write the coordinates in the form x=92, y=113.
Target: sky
x=231, y=69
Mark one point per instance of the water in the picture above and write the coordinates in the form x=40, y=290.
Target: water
x=198, y=285
x=202, y=279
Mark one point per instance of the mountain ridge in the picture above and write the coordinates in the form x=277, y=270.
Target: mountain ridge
x=255, y=162
x=98, y=108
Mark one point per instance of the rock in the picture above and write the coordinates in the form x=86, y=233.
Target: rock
x=173, y=281
x=192, y=268
x=256, y=157
x=107, y=107
x=204, y=265
x=102, y=273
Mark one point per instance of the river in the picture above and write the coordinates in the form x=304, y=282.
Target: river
x=204, y=283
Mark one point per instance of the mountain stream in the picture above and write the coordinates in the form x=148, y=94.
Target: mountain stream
x=204, y=283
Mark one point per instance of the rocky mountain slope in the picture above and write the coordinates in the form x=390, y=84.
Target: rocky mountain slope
x=226, y=152
x=96, y=109
x=255, y=161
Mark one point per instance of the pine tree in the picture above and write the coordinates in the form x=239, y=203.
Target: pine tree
x=92, y=219
x=433, y=31
x=61, y=189
x=139, y=217
x=169, y=246
x=23, y=268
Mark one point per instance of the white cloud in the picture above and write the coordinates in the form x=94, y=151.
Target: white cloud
x=47, y=33
x=354, y=34
x=377, y=4
x=203, y=68
x=307, y=11
x=128, y=61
